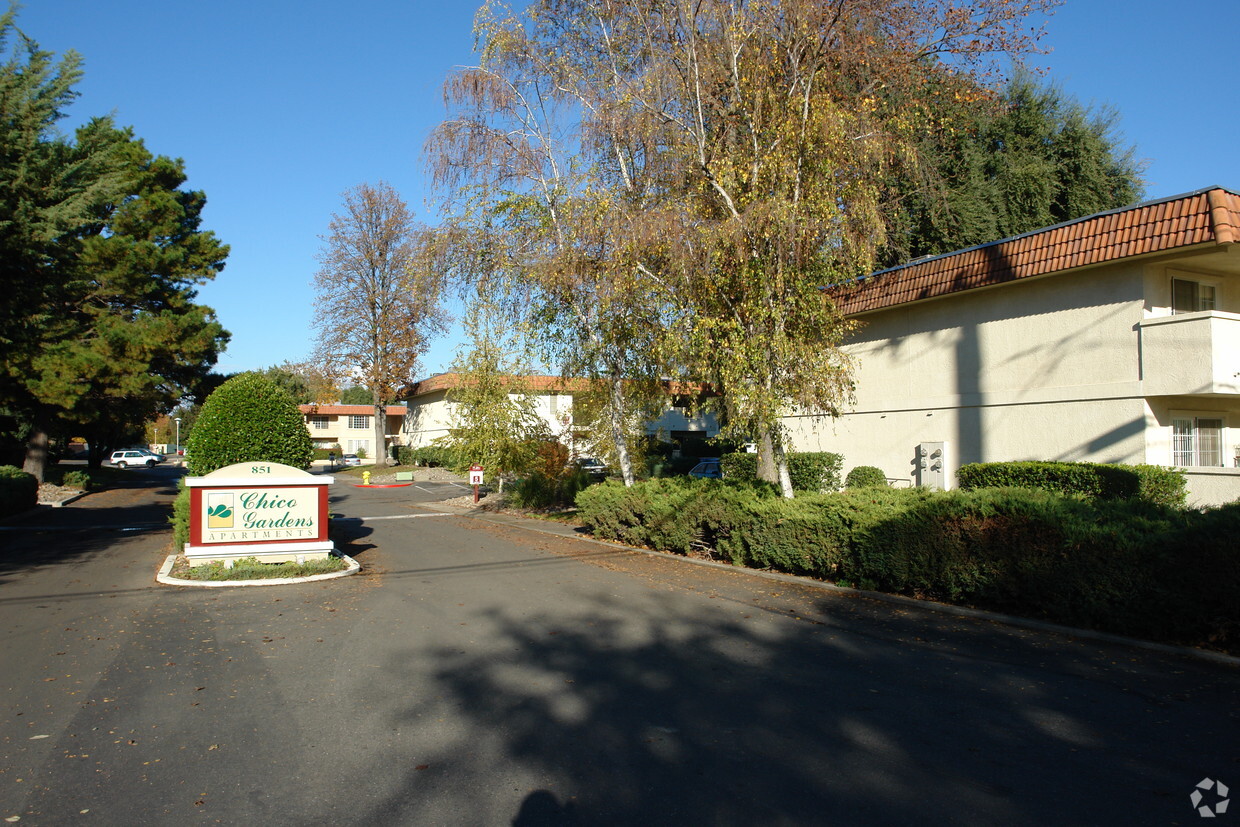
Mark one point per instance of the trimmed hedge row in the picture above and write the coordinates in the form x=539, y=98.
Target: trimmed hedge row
x=19, y=491
x=1125, y=566
x=430, y=456
x=1162, y=486
x=811, y=471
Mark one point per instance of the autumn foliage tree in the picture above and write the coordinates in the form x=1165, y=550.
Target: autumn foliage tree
x=534, y=222
x=494, y=420
x=376, y=308
x=676, y=181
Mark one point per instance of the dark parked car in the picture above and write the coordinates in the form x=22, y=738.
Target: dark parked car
x=593, y=467
x=707, y=469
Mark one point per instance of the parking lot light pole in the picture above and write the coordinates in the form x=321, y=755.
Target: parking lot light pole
x=178, y=421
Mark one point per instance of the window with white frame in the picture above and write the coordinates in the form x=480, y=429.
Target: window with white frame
x=319, y=423
x=1197, y=439
x=359, y=445
x=359, y=423
x=1192, y=295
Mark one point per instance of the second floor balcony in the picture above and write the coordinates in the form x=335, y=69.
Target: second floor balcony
x=1191, y=354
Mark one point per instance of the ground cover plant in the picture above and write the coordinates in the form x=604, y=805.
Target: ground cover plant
x=250, y=568
x=1127, y=566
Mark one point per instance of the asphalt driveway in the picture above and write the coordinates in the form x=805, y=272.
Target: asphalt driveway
x=482, y=674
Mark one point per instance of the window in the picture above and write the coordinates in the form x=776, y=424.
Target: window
x=359, y=446
x=318, y=423
x=1196, y=440
x=359, y=423
x=1191, y=296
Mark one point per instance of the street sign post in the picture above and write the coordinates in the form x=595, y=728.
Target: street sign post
x=475, y=479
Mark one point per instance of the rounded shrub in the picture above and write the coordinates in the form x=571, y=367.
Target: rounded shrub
x=19, y=491
x=76, y=479
x=249, y=418
x=865, y=476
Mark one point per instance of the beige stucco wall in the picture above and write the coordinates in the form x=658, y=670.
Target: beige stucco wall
x=431, y=415
x=993, y=373
x=1051, y=369
x=427, y=418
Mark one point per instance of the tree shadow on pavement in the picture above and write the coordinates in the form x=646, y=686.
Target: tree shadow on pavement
x=788, y=708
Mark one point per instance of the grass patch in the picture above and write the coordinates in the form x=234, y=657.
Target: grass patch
x=250, y=568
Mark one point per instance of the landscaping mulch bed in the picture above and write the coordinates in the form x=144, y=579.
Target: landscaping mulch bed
x=50, y=494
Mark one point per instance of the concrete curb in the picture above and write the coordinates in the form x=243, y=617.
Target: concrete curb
x=67, y=500
x=531, y=524
x=167, y=579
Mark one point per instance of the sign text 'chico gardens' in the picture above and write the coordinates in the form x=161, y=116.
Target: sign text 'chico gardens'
x=274, y=512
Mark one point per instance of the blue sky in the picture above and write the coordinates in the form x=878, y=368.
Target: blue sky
x=278, y=106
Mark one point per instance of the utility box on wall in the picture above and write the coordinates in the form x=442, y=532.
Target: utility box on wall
x=274, y=512
x=932, y=465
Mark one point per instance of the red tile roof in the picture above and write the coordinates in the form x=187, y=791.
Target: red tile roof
x=556, y=384
x=448, y=381
x=1202, y=217
x=345, y=410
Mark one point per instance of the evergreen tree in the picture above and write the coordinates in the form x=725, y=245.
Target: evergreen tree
x=100, y=254
x=1034, y=158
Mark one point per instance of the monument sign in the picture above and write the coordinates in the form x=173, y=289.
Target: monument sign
x=274, y=512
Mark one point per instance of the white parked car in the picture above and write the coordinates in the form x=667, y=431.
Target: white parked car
x=133, y=456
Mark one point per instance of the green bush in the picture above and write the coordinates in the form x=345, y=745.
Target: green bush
x=180, y=517
x=813, y=534
x=540, y=490
x=1126, y=566
x=1162, y=486
x=809, y=471
x=76, y=479
x=430, y=456
x=249, y=418
x=865, y=476
x=326, y=453
x=815, y=471
x=739, y=467
x=19, y=491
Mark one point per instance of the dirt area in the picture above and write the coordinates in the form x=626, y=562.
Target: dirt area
x=50, y=494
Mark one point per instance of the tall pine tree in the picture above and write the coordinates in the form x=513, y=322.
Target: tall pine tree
x=100, y=256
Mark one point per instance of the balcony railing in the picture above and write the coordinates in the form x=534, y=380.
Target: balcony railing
x=1191, y=354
